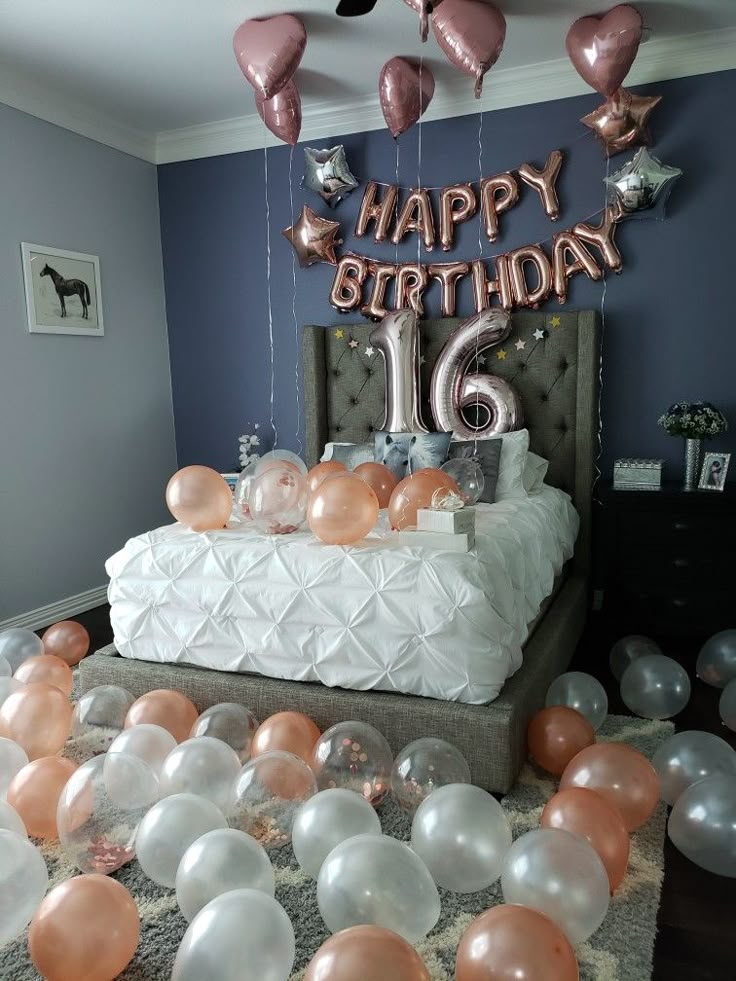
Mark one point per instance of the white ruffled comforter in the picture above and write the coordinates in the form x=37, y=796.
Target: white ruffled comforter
x=377, y=615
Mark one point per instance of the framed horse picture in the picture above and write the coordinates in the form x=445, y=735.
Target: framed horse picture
x=62, y=291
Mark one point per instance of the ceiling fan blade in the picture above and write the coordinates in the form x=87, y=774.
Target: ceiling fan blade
x=355, y=8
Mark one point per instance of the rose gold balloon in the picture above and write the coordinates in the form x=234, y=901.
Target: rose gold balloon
x=590, y=815
x=166, y=708
x=380, y=478
x=68, y=640
x=291, y=732
x=544, y=182
x=35, y=790
x=602, y=47
x=556, y=735
x=86, y=928
x=342, y=510
x=327, y=469
x=513, y=943
x=199, y=498
x=47, y=669
x=347, y=286
x=458, y=203
x=414, y=492
x=620, y=774
x=370, y=953
x=38, y=718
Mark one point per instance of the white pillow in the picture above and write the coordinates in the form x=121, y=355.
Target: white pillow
x=535, y=470
x=514, y=450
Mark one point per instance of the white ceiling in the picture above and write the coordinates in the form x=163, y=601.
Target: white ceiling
x=158, y=77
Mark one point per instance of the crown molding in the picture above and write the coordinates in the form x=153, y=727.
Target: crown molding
x=658, y=59
x=26, y=94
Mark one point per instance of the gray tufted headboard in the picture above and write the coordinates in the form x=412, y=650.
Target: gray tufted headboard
x=556, y=377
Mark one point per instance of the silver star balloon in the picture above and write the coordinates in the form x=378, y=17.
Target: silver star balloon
x=326, y=172
x=642, y=186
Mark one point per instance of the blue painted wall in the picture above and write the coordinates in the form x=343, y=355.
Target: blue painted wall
x=669, y=317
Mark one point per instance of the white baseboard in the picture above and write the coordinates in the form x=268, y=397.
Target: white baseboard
x=60, y=610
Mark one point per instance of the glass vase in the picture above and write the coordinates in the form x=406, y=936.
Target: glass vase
x=693, y=456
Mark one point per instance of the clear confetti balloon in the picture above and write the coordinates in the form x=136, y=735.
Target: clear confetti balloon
x=232, y=723
x=687, y=757
x=242, y=935
x=655, y=687
x=560, y=874
x=17, y=645
x=278, y=500
x=702, y=824
x=377, y=880
x=326, y=820
x=582, y=692
x=241, y=511
x=99, y=716
x=149, y=742
x=727, y=705
x=100, y=809
x=468, y=475
x=5, y=669
x=8, y=686
x=356, y=756
x=628, y=649
x=423, y=766
x=462, y=834
x=204, y=766
x=218, y=862
x=10, y=820
x=267, y=795
x=280, y=457
x=12, y=760
x=23, y=883
x=168, y=829
x=716, y=664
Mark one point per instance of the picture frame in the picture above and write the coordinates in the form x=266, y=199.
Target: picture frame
x=63, y=291
x=714, y=471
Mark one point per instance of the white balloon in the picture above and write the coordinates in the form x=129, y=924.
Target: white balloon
x=716, y=664
x=219, y=862
x=381, y=881
x=328, y=818
x=286, y=456
x=18, y=644
x=582, y=692
x=12, y=759
x=702, y=824
x=559, y=874
x=150, y=743
x=627, y=650
x=242, y=935
x=5, y=670
x=24, y=880
x=204, y=766
x=687, y=757
x=8, y=686
x=10, y=820
x=462, y=835
x=655, y=687
x=727, y=705
x=168, y=829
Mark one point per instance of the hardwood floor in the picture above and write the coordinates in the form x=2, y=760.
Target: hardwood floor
x=696, y=914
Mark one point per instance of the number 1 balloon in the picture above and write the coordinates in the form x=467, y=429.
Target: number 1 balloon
x=397, y=338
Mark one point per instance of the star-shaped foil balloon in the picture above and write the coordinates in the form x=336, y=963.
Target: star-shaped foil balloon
x=621, y=122
x=313, y=238
x=326, y=172
x=642, y=186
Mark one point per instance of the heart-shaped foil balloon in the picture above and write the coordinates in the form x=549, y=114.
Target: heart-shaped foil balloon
x=603, y=49
x=269, y=50
x=282, y=114
x=471, y=33
x=424, y=8
x=405, y=87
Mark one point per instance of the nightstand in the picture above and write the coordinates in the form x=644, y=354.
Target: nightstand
x=668, y=560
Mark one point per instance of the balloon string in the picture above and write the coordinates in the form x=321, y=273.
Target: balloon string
x=597, y=470
x=268, y=292
x=396, y=256
x=293, y=310
x=480, y=256
x=419, y=152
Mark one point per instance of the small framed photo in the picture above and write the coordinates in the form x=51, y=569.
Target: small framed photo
x=713, y=474
x=62, y=291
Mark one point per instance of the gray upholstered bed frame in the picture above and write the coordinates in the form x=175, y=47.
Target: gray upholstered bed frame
x=557, y=378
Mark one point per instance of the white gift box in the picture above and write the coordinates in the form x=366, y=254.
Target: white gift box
x=461, y=542
x=460, y=522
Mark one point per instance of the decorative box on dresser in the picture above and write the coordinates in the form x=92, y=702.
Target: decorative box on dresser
x=669, y=560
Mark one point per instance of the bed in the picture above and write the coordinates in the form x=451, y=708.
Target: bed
x=305, y=638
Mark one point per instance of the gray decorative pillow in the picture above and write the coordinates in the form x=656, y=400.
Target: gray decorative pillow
x=405, y=453
x=488, y=454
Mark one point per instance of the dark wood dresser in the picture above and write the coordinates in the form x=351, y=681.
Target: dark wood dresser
x=668, y=560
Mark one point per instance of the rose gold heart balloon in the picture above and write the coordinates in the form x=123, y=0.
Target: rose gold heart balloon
x=424, y=8
x=283, y=113
x=269, y=50
x=405, y=87
x=602, y=49
x=471, y=33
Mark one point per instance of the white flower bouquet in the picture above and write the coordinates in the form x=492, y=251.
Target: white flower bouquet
x=693, y=420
